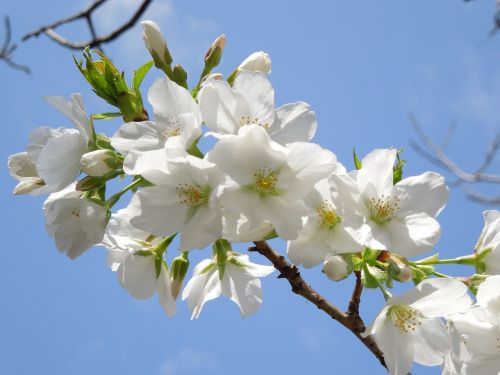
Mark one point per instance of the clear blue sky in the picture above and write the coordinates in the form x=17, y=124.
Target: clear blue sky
x=362, y=65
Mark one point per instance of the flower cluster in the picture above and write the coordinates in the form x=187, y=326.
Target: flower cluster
x=263, y=178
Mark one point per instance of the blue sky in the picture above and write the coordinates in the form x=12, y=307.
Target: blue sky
x=362, y=65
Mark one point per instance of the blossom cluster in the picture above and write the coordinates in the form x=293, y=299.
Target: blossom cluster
x=263, y=178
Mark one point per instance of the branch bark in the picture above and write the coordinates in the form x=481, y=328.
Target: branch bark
x=436, y=155
x=86, y=14
x=291, y=273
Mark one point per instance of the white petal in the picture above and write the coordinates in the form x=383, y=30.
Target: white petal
x=58, y=162
x=397, y=348
x=157, y=210
x=431, y=342
x=488, y=293
x=92, y=220
x=294, y=122
x=426, y=193
x=258, y=93
x=170, y=100
x=140, y=136
x=221, y=108
x=437, y=297
x=242, y=288
x=201, y=288
x=413, y=234
x=74, y=110
x=375, y=176
x=164, y=293
x=137, y=274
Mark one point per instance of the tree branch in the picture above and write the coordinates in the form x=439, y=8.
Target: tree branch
x=8, y=48
x=300, y=287
x=436, y=155
x=86, y=14
x=353, y=309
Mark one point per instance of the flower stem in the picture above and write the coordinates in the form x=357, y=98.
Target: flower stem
x=116, y=197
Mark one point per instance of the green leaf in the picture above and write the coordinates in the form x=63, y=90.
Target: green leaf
x=140, y=73
x=372, y=277
x=398, y=169
x=357, y=162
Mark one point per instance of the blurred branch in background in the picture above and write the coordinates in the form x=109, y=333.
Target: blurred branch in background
x=86, y=14
x=436, y=155
x=8, y=48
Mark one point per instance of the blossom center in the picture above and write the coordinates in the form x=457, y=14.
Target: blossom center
x=248, y=120
x=265, y=180
x=191, y=195
x=406, y=318
x=328, y=217
x=173, y=127
x=382, y=209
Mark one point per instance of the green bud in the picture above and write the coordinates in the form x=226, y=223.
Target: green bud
x=180, y=266
x=214, y=53
x=180, y=76
x=109, y=83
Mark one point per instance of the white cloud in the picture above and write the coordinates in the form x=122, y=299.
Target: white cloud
x=189, y=361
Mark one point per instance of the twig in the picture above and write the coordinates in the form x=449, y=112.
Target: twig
x=300, y=287
x=8, y=49
x=86, y=14
x=353, y=309
x=437, y=156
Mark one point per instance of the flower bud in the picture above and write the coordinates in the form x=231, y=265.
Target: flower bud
x=214, y=53
x=336, y=268
x=178, y=271
x=155, y=43
x=257, y=61
x=98, y=163
x=400, y=271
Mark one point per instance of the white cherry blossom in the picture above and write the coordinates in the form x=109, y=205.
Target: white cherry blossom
x=22, y=168
x=56, y=153
x=75, y=222
x=409, y=327
x=137, y=271
x=267, y=181
x=328, y=229
x=400, y=217
x=184, y=199
x=479, y=330
x=240, y=283
x=250, y=101
x=177, y=121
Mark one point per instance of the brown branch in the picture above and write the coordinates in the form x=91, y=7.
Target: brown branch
x=86, y=14
x=353, y=309
x=436, y=155
x=300, y=287
x=8, y=48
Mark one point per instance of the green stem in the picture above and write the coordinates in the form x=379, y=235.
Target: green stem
x=442, y=275
x=116, y=197
x=470, y=260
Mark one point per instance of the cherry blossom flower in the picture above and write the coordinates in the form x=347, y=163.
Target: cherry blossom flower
x=177, y=121
x=139, y=270
x=267, y=181
x=75, y=222
x=184, y=200
x=479, y=330
x=250, y=101
x=240, y=283
x=409, y=327
x=400, y=217
x=52, y=160
x=328, y=229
